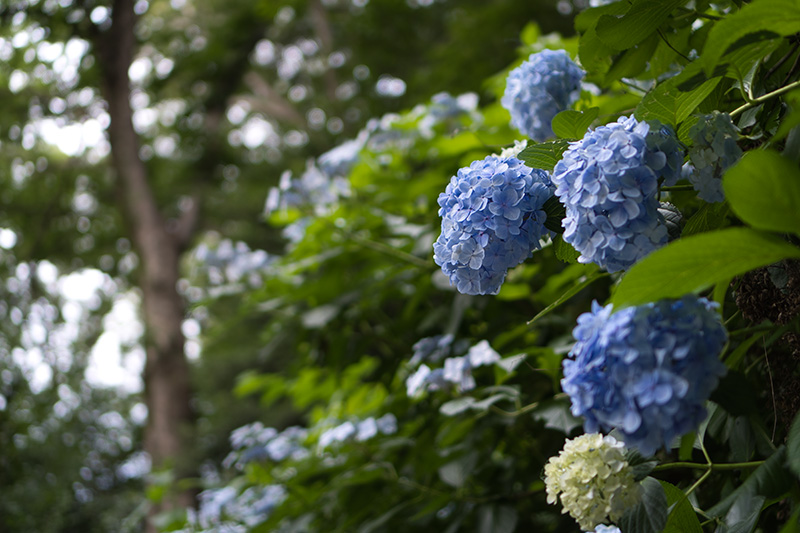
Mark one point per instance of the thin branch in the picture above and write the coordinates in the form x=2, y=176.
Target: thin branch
x=664, y=38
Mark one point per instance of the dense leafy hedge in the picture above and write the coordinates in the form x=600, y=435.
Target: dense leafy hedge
x=430, y=409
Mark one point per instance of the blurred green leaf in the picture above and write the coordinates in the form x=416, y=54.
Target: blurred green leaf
x=457, y=406
x=771, y=480
x=455, y=473
x=556, y=414
x=793, y=446
x=743, y=514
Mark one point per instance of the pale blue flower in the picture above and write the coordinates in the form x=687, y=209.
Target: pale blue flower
x=492, y=220
x=548, y=82
x=608, y=183
x=713, y=151
x=646, y=371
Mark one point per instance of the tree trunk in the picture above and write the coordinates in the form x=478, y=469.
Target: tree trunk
x=166, y=375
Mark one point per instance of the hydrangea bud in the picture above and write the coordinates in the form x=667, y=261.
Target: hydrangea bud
x=492, y=220
x=548, y=82
x=593, y=480
x=647, y=370
x=713, y=151
x=608, y=183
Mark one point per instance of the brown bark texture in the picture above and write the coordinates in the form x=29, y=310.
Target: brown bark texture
x=166, y=375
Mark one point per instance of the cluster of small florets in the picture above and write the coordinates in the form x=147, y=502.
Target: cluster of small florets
x=647, y=370
x=713, y=151
x=448, y=110
x=492, y=220
x=230, y=262
x=593, y=480
x=254, y=442
x=548, y=82
x=360, y=431
x=608, y=183
x=226, y=510
x=456, y=371
x=602, y=528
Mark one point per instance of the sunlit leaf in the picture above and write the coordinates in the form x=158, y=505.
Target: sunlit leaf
x=763, y=189
x=694, y=263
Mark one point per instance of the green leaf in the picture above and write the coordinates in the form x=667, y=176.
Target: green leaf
x=484, y=404
x=588, y=18
x=643, y=18
x=543, y=155
x=743, y=514
x=793, y=446
x=455, y=473
x=791, y=119
x=763, y=189
x=708, y=217
x=374, y=525
x=694, y=263
x=732, y=361
x=781, y=17
x=497, y=519
x=682, y=518
x=641, y=466
x=674, y=100
x=633, y=61
x=650, y=514
x=564, y=251
x=595, y=57
x=556, y=414
x=580, y=284
x=459, y=405
x=509, y=364
x=571, y=124
x=771, y=479
x=555, y=213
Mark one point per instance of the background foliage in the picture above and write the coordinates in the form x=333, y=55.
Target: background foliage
x=314, y=314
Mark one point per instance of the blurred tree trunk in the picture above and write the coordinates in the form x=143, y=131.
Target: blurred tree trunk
x=166, y=375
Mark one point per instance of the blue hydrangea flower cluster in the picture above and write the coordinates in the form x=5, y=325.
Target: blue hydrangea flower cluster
x=254, y=442
x=646, y=371
x=456, y=371
x=448, y=111
x=608, y=182
x=547, y=83
x=225, y=510
x=713, y=151
x=361, y=430
x=229, y=263
x=492, y=220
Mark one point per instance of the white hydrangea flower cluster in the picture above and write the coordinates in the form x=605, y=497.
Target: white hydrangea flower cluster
x=593, y=479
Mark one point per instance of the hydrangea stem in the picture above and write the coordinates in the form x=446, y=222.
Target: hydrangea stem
x=677, y=188
x=761, y=99
x=709, y=467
